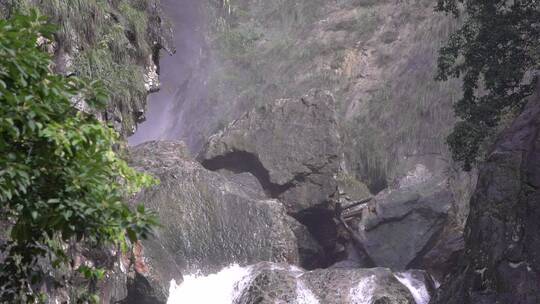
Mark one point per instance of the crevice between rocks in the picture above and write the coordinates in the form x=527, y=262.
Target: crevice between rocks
x=319, y=220
x=320, y=223
x=416, y=263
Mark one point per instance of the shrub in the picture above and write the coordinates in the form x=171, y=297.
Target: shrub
x=61, y=181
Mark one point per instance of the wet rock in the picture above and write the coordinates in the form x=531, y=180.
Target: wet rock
x=292, y=147
x=420, y=284
x=376, y=285
x=502, y=238
x=208, y=221
x=275, y=283
x=142, y=291
x=151, y=269
x=270, y=284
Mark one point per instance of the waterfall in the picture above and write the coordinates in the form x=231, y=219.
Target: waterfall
x=220, y=288
x=416, y=287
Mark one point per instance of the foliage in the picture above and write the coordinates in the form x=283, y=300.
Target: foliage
x=61, y=182
x=112, y=41
x=495, y=53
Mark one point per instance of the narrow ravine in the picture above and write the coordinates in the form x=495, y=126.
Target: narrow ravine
x=261, y=145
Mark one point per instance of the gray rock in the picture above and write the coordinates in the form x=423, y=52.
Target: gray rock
x=151, y=269
x=207, y=221
x=292, y=146
x=501, y=263
x=270, y=284
x=402, y=225
x=275, y=283
x=249, y=183
x=374, y=286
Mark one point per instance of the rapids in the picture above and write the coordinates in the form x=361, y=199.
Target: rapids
x=227, y=286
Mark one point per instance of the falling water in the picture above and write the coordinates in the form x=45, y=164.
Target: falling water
x=363, y=292
x=175, y=70
x=220, y=288
x=304, y=295
x=416, y=287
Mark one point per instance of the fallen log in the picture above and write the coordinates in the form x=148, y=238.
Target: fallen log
x=357, y=203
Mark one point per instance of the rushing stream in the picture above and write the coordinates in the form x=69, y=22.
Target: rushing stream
x=219, y=288
x=226, y=287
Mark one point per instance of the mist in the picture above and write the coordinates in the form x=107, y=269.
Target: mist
x=175, y=71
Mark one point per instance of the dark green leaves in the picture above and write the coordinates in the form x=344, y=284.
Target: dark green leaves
x=495, y=53
x=61, y=181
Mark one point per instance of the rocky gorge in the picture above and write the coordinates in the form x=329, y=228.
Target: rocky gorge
x=300, y=148
x=295, y=146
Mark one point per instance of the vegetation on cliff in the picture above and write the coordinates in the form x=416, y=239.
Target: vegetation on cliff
x=378, y=59
x=117, y=42
x=61, y=181
x=496, y=53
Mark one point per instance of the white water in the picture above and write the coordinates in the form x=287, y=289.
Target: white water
x=226, y=286
x=363, y=292
x=219, y=288
x=304, y=295
x=416, y=287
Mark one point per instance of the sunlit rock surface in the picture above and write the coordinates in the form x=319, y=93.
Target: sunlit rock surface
x=292, y=146
x=207, y=221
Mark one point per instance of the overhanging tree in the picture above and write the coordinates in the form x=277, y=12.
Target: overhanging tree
x=496, y=53
x=61, y=181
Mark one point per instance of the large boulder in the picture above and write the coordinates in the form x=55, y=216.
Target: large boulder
x=207, y=221
x=292, y=146
x=502, y=237
x=402, y=225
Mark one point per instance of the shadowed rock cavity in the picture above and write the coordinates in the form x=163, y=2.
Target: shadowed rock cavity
x=321, y=225
x=240, y=162
x=314, y=228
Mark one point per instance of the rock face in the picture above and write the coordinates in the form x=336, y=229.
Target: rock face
x=376, y=57
x=389, y=117
x=408, y=225
x=292, y=146
x=293, y=149
x=501, y=262
x=271, y=283
x=209, y=222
